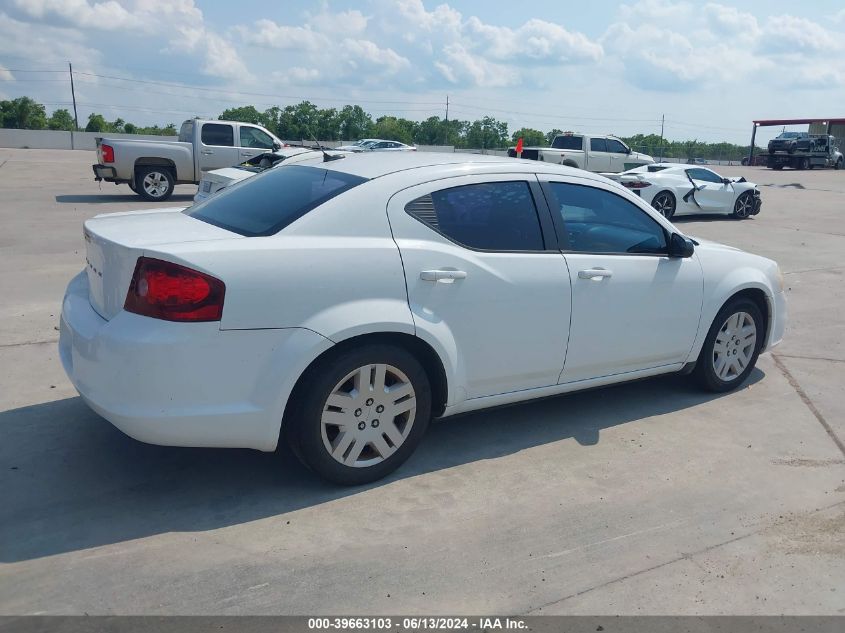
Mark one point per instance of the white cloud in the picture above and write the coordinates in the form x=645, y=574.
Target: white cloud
x=462, y=67
x=5, y=75
x=364, y=53
x=534, y=41
x=345, y=23
x=107, y=15
x=268, y=33
x=787, y=33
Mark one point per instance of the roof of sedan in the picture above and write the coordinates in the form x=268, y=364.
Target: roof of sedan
x=375, y=164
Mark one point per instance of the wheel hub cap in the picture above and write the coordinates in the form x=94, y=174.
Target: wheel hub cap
x=734, y=346
x=368, y=415
x=155, y=184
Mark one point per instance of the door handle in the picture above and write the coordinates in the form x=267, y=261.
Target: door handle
x=594, y=273
x=208, y=151
x=442, y=275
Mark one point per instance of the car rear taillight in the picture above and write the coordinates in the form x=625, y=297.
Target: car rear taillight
x=164, y=290
x=636, y=184
x=108, y=153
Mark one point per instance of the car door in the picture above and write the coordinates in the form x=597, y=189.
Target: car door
x=253, y=141
x=485, y=278
x=599, y=158
x=618, y=154
x=633, y=306
x=711, y=194
x=217, y=146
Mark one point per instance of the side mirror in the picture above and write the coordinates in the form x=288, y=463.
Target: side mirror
x=680, y=246
x=726, y=181
x=277, y=145
x=627, y=150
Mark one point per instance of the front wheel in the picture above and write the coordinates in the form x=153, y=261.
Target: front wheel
x=744, y=205
x=838, y=164
x=361, y=414
x=155, y=183
x=732, y=346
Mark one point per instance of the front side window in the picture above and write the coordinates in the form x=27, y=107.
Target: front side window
x=598, y=145
x=616, y=146
x=493, y=216
x=267, y=203
x=218, y=134
x=253, y=137
x=598, y=221
x=704, y=175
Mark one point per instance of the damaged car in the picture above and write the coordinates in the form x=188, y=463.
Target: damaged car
x=674, y=189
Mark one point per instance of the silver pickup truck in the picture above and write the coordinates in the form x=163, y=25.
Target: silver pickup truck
x=593, y=152
x=153, y=168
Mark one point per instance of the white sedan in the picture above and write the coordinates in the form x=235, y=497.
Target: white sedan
x=340, y=306
x=676, y=189
x=218, y=179
x=377, y=145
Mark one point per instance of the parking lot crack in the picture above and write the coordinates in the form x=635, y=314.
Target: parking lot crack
x=23, y=343
x=807, y=401
x=684, y=556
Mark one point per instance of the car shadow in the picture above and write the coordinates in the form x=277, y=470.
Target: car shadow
x=115, y=198
x=71, y=481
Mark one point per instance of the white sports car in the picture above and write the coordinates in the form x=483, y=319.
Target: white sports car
x=377, y=145
x=673, y=189
x=218, y=179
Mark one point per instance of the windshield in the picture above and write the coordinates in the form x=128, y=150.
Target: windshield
x=791, y=135
x=267, y=203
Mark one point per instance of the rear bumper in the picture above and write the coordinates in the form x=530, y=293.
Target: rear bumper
x=182, y=384
x=103, y=172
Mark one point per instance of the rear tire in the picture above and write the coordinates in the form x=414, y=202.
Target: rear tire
x=360, y=414
x=732, y=346
x=664, y=203
x=155, y=183
x=838, y=164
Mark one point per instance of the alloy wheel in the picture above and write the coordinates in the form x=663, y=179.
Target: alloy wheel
x=156, y=184
x=664, y=205
x=734, y=346
x=743, y=206
x=368, y=415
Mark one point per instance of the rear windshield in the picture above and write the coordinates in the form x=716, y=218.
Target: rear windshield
x=267, y=203
x=568, y=142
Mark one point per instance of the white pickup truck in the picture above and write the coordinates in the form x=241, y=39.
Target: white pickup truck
x=593, y=152
x=153, y=168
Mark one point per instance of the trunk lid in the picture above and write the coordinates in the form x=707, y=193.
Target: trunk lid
x=114, y=242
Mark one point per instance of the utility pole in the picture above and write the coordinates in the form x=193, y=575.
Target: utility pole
x=662, y=121
x=73, y=95
x=446, y=127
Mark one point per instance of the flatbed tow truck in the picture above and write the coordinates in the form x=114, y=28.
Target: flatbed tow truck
x=821, y=151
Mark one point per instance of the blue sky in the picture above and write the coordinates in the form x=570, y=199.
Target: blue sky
x=617, y=67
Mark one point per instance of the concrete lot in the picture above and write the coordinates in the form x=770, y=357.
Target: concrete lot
x=646, y=498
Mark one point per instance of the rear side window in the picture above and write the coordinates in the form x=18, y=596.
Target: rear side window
x=218, y=134
x=494, y=216
x=267, y=203
x=568, y=142
x=186, y=132
x=598, y=145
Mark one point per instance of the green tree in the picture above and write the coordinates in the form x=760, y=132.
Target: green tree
x=23, y=113
x=530, y=137
x=118, y=126
x=550, y=135
x=97, y=123
x=328, y=125
x=130, y=128
x=245, y=114
x=394, y=129
x=61, y=120
x=353, y=122
x=299, y=122
x=487, y=133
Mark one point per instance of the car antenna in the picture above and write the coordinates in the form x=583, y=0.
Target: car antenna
x=326, y=156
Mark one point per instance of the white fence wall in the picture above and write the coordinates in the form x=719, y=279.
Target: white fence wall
x=56, y=139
